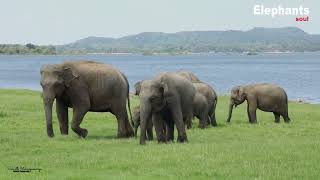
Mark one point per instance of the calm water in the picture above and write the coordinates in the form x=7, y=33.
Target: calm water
x=297, y=73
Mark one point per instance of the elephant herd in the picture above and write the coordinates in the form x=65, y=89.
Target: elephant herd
x=168, y=100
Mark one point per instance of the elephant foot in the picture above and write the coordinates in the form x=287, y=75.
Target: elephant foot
x=202, y=126
x=130, y=134
x=50, y=135
x=253, y=122
x=214, y=123
x=277, y=121
x=182, y=139
x=121, y=135
x=162, y=140
x=64, y=133
x=287, y=120
x=50, y=132
x=83, y=133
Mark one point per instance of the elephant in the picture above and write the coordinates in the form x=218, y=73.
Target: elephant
x=188, y=75
x=85, y=86
x=200, y=110
x=166, y=99
x=136, y=123
x=266, y=97
x=137, y=87
x=212, y=99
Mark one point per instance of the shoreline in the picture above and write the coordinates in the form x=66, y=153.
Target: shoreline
x=297, y=101
x=168, y=54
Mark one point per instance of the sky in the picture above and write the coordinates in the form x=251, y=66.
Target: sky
x=63, y=21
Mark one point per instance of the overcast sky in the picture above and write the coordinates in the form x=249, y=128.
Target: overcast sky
x=64, y=21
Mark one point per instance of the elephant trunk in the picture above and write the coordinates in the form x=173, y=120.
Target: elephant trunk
x=230, y=110
x=48, y=102
x=145, y=113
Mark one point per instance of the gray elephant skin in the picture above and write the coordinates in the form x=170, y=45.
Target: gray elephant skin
x=266, y=97
x=188, y=75
x=136, y=123
x=84, y=86
x=204, y=104
x=166, y=99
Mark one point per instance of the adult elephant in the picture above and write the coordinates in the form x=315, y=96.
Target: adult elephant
x=166, y=99
x=266, y=97
x=205, y=101
x=84, y=86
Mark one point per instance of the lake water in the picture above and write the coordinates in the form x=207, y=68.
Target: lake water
x=297, y=73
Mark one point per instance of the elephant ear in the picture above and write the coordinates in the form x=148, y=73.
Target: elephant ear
x=241, y=93
x=69, y=75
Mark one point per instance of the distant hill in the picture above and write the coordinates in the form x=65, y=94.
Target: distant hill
x=257, y=40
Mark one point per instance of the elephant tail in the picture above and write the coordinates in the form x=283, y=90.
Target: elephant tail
x=215, y=104
x=128, y=97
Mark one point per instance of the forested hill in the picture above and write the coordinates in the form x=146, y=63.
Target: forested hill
x=254, y=40
x=257, y=40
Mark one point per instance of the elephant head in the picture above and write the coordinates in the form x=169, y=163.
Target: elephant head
x=54, y=81
x=152, y=99
x=137, y=87
x=237, y=97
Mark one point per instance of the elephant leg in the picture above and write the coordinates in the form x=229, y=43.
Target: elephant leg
x=276, y=117
x=189, y=123
x=202, y=120
x=149, y=131
x=252, y=108
x=212, y=116
x=170, y=131
x=159, y=127
x=122, y=118
x=78, y=115
x=285, y=116
x=178, y=120
x=213, y=119
x=62, y=114
x=249, y=117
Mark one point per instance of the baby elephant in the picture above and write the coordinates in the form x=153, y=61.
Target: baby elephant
x=266, y=97
x=200, y=110
x=136, y=123
x=204, y=104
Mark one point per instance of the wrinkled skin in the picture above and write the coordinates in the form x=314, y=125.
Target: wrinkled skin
x=167, y=100
x=84, y=86
x=211, y=99
x=136, y=123
x=266, y=97
x=188, y=75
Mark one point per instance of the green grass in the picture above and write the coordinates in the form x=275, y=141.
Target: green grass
x=237, y=150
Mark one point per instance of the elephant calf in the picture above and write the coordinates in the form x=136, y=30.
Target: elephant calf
x=200, y=110
x=205, y=93
x=136, y=123
x=266, y=97
x=85, y=86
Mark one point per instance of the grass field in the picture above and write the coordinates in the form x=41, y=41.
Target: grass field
x=230, y=151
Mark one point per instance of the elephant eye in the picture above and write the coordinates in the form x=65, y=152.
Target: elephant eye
x=153, y=98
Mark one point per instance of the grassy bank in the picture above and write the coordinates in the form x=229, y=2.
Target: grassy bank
x=230, y=151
